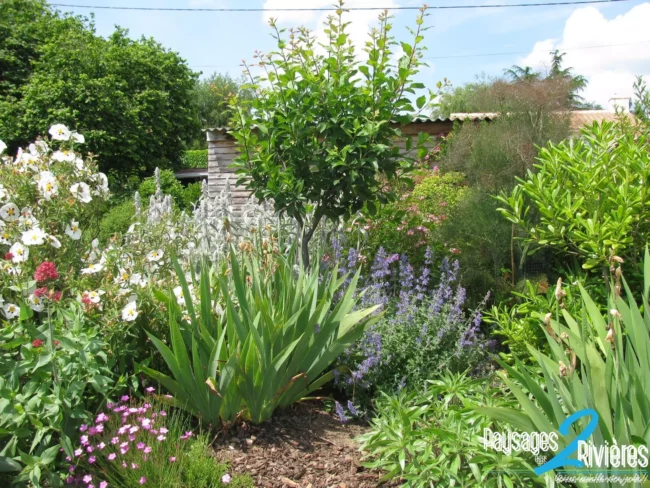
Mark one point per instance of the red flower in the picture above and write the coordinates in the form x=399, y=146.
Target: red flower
x=9, y=256
x=41, y=292
x=46, y=271
x=37, y=343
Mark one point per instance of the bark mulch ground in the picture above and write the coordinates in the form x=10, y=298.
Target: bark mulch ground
x=302, y=447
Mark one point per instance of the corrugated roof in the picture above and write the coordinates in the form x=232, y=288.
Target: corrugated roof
x=579, y=118
x=191, y=173
x=582, y=118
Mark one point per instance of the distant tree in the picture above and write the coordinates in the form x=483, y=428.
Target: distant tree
x=132, y=99
x=526, y=73
x=461, y=99
x=577, y=83
x=213, y=95
x=319, y=134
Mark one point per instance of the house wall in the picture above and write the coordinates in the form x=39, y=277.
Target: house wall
x=222, y=152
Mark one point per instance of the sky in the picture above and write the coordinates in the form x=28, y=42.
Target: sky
x=607, y=43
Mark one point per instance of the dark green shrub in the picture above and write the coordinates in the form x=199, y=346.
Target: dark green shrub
x=197, y=158
x=169, y=185
x=117, y=220
x=480, y=239
x=191, y=195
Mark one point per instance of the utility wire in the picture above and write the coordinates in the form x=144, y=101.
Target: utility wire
x=477, y=55
x=333, y=9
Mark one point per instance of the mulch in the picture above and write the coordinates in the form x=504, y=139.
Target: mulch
x=302, y=447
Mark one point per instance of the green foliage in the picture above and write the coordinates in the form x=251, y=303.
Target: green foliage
x=481, y=238
x=65, y=73
x=183, y=197
x=197, y=158
x=596, y=361
x=52, y=375
x=408, y=225
x=212, y=96
x=278, y=334
x=641, y=104
x=191, y=195
x=597, y=208
x=432, y=437
x=461, y=99
x=116, y=221
x=318, y=134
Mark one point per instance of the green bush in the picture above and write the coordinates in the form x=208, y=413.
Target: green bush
x=116, y=221
x=481, y=240
x=598, y=208
x=169, y=185
x=410, y=224
x=197, y=158
x=598, y=361
x=184, y=197
x=432, y=438
x=280, y=333
x=191, y=194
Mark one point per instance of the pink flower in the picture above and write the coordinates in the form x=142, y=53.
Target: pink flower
x=131, y=437
x=102, y=417
x=147, y=450
x=112, y=456
x=90, y=449
x=103, y=484
x=143, y=480
x=87, y=479
x=115, y=440
x=187, y=435
x=134, y=466
x=141, y=445
x=92, y=459
x=93, y=430
x=162, y=413
x=123, y=429
x=172, y=459
x=125, y=398
x=150, y=389
x=83, y=428
x=163, y=430
x=161, y=438
x=78, y=452
x=134, y=429
x=84, y=440
x=101, y=446
x=226, y=478
x=45, y=271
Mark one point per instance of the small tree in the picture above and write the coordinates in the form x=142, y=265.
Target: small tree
x=323, y=123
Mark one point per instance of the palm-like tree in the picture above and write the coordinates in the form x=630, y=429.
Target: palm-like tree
x=518, y=73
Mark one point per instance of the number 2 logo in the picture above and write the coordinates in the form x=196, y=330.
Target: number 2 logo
x=562, y=457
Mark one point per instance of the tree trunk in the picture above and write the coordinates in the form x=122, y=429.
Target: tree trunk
x=306, y=236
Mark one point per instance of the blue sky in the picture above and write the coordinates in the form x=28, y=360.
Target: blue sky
x=215, y=41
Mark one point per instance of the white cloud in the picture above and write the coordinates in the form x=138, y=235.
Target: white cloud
x=610, y=70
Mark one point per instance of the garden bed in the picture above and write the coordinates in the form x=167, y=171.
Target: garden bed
x=300, y=447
